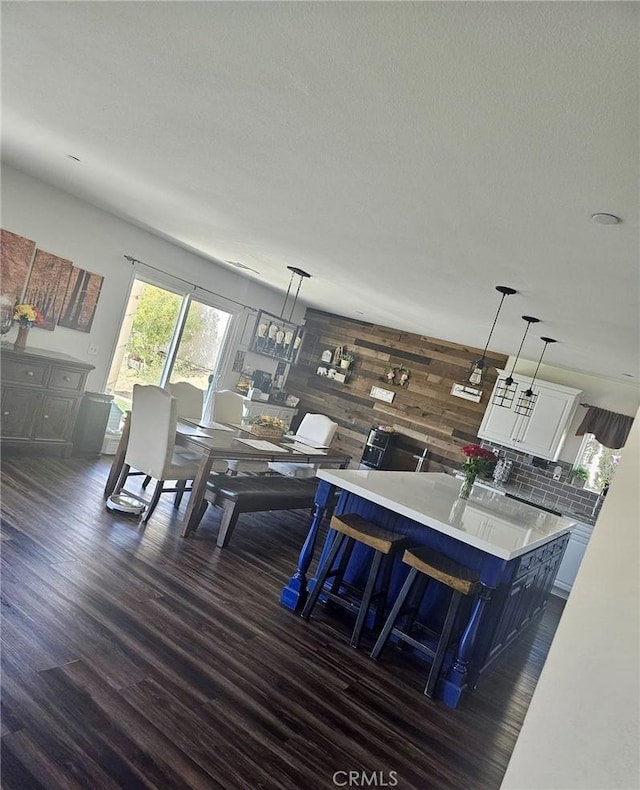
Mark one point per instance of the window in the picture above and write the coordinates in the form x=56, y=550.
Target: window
x=600, y=461
x=167, y=336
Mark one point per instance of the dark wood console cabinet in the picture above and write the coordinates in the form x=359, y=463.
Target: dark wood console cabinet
x=41, y=394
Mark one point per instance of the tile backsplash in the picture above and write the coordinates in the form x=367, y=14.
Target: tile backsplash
x=537, y=484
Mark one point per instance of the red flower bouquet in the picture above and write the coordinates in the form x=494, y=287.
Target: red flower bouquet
x=478, y=459
x=477, y=462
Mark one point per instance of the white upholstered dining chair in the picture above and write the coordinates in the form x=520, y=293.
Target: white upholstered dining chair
x=315, y=430
x=228, y=408
x=190, y=399
x=151, y=447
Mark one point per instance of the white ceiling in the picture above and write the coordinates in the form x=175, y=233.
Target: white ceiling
x=409, y=156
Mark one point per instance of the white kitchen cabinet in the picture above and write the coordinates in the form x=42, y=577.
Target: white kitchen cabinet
x=256, y=408
x=572, y=559
x=544, y=431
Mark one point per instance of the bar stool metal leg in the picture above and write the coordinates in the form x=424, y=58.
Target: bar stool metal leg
x=338, y=541
x=378, y=621
x=366, y=598
x=393, y=615
x=443, y=643
x=342, y=565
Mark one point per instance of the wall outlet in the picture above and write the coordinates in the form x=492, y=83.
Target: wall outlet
x=92, y=350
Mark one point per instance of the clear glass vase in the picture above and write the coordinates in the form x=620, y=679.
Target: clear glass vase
x=467, y=485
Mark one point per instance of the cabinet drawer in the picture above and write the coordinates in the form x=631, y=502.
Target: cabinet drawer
x=526, y=563
x=20, y=372
x=532, y=560
x=67, y=379
x=560, y=543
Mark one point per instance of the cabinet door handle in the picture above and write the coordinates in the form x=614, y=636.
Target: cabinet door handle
x=66, y=378
x=29, y=373
x=45, y=416
x=5, y=413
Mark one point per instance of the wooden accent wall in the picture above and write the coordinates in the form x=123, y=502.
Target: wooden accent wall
x=424, y=413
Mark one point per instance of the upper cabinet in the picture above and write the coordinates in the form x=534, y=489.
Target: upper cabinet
x=544, y=431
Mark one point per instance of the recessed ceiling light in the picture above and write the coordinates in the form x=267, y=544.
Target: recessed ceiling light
x=605, y=219
x=71, y=156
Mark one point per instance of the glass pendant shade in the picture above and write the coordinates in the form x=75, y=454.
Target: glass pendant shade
x=477, y=367
x=475, y=376
x=505, y=393
x=526, y=402
x=527, y=399
x=506, y=388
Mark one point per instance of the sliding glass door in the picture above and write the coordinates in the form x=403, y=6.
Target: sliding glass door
x=198, y=344
x=166, y=336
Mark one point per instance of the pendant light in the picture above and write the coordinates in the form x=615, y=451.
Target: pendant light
x=527, y=399
x=276, y=336
x=506, y=389
x=477, y=368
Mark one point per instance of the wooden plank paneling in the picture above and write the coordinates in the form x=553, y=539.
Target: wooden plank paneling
x=424, y=413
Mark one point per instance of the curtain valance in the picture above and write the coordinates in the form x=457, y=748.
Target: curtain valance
x=609, y=428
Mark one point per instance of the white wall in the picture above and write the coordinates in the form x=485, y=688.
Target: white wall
x=616, y=396
x=582, y=728
x=97, y=241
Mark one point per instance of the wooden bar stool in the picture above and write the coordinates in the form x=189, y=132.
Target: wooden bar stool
x=427, y=564
x=351, y=529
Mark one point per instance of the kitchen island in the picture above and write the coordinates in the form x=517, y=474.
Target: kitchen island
x=515, y=548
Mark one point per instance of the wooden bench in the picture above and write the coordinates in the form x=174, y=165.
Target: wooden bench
x=236, y=495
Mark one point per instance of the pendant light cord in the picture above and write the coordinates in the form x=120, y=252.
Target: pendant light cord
x=295, y=299
x=546, y=341
x=493, y=326
x=530, y=320
x=284, y=304
x=475, y=375
x=301, y=274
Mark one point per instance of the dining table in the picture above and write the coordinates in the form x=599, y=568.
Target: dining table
x=219, y=441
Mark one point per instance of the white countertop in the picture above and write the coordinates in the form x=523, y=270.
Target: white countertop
x=488, y=521
x=579, y=516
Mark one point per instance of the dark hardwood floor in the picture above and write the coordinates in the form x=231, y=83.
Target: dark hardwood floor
x=134, y=658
